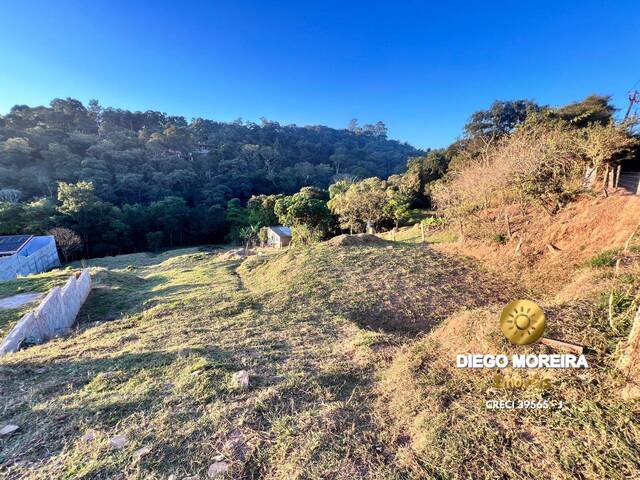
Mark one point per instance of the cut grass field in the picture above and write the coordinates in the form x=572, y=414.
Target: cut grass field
x=350, y=352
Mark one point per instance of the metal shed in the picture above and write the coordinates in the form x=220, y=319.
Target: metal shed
x=278, y=236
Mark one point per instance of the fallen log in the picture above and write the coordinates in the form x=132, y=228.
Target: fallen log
x=562, y=345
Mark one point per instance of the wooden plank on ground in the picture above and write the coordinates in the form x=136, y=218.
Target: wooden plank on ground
x=562, y=345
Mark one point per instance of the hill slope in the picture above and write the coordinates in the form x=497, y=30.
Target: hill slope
x=350, y=351
x=161, y=372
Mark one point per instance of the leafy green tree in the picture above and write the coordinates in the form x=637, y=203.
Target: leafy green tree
x=362, y=205
x=140, y=220
x=39, y=216
x=80, y=203
x=314, y=193
x=249, y=235
x=310, y=217
x=15, y=152
x=261, y=210
x=501, y=118
x=421, y=171
x=214, y=223
x=154, y=240
x=594, y=109
x=397, y=206
x=10, y=218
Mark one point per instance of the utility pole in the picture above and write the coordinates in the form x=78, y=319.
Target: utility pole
x=633, y=98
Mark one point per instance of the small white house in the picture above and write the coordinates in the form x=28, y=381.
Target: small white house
x=26, y=254
x=278, y=236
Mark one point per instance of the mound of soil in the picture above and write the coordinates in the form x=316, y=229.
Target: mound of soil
x=357, y=239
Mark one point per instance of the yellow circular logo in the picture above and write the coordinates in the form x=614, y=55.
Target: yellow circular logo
x=522, y=322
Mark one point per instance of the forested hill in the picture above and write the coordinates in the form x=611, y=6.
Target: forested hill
x=141, y=157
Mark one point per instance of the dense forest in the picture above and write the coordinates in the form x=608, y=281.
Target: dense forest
x=107, y=181
x=125, y=181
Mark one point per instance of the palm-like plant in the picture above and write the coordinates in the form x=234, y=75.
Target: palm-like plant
x=249, y=235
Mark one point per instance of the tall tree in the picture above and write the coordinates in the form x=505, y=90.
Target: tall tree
x=501, y=118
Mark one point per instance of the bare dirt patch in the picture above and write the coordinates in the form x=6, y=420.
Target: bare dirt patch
x=353, y=240
x=553, y=247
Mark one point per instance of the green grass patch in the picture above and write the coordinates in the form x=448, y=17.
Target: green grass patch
x=41, y=282
x=606, y=258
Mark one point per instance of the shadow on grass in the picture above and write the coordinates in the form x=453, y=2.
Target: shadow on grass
x=405, y=289
x=64, y=397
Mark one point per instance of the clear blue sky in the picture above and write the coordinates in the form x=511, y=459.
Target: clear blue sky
x=421, y=67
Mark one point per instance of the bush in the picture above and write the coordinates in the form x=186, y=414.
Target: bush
x=263, y=236
x=433, y=222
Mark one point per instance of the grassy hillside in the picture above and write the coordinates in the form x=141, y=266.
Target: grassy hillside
x=350, y=351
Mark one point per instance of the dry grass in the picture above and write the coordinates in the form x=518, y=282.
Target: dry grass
x=436, y=413
x=160, y=374
x=351, y=353
x=553, y=249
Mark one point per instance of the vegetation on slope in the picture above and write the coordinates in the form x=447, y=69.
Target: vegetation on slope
x=350, y=351
x=437, y=416
x=131, y=181
x=161, y=372
x=350, y=345
x=152, y=172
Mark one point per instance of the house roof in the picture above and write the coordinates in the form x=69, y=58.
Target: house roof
x=281, y=231
x=12, y=244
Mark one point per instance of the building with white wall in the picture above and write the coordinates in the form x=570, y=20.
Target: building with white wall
x=27, y=254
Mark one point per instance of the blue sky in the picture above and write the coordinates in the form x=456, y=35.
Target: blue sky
x=421, y=67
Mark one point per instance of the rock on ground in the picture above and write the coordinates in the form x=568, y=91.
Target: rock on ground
x=242, y=378
x=217, y=469
x=8, y=429
x=118, y=442
x=89, y=436
x=141, y=453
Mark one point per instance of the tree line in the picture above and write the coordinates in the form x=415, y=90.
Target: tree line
x=127, y=181
x=516, y=154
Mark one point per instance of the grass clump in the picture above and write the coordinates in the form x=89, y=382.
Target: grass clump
x=606, y=258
